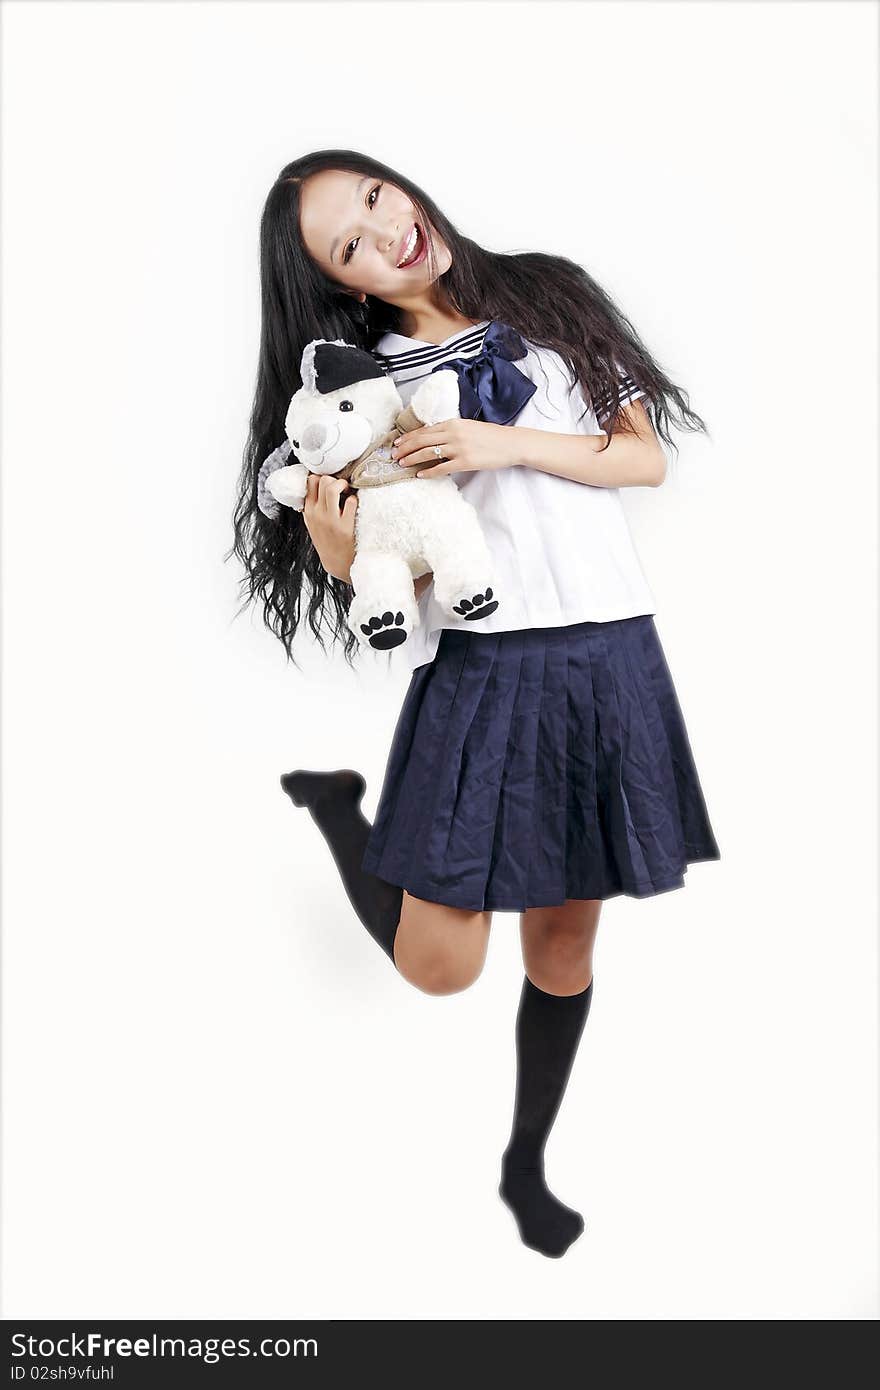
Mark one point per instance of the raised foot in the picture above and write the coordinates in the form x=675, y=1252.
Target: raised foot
x=385, y=632
x=308, y=788
x=476, y=607
x=545, y=1224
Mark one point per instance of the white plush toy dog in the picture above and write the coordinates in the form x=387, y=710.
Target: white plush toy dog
x=343, y=421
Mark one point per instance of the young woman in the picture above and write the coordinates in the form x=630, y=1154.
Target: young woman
x=540, y=762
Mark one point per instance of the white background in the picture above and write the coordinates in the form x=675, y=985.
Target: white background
x=219, y=1099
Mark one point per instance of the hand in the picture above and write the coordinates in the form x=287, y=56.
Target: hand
x=466, y=446
x=331, y=528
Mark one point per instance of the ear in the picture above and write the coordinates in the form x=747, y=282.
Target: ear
x=307, y=370
x=336, y=367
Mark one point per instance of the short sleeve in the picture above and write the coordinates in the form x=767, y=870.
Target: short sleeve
x=628, y=390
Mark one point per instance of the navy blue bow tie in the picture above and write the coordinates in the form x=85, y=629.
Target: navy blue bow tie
x=490, y=387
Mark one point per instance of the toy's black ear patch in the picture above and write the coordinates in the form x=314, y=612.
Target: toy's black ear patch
x=337, y=366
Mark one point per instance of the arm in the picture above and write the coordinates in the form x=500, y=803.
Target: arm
x=630, y=460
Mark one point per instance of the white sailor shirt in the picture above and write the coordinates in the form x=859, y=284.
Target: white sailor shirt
x=562, y=550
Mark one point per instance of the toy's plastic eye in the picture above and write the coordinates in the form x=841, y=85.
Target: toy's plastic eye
x=346, y=405
x=295, y=443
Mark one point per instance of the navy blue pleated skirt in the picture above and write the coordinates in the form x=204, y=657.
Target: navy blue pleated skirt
x=541, y=764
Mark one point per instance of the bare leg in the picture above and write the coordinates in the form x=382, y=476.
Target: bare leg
x=439, y=949
x=557, y=945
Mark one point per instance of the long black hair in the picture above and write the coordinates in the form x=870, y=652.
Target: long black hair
x=550, y=300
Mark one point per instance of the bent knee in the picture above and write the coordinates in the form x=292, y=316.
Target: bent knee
x=440, y=949
x=441, y=972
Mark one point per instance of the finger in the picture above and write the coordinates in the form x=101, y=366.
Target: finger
x=424, y=435
x=345, y=495
x=423, y=457
x=329, y=489
x=311, y=491
x=415, y=439
x=349, y=507
x=420, y=456
x=440, y=470
x=422, y=431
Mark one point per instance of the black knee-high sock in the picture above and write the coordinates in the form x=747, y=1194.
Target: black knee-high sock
x=333, y=799
x=548, y=1030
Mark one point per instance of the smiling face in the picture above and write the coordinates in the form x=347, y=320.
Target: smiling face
x=360, y=232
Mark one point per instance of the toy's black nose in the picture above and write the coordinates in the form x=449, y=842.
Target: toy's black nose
x=313, y=437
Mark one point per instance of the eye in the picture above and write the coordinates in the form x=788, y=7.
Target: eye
x=347, y=253
x=346, y=405
x=295, y=443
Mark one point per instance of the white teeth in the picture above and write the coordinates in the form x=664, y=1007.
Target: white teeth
x=410, y=247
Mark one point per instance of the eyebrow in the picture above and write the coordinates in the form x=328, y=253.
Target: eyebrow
x=335, y=243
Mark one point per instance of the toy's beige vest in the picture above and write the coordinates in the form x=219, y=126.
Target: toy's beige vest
x=376, y=467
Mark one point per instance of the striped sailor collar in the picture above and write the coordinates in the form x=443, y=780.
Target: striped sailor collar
x=399, y=351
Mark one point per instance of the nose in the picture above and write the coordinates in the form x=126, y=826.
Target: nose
x=313, y=437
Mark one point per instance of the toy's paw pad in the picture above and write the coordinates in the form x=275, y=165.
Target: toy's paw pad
x=384, y=633
x=480, y=606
